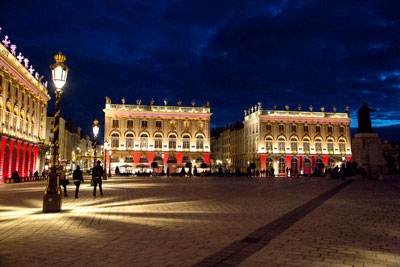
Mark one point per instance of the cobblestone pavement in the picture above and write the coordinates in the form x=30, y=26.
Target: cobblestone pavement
x=182, y=221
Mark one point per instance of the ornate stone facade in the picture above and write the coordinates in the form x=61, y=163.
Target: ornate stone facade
x=23, y=109
x=138, y=135
x=285, y=139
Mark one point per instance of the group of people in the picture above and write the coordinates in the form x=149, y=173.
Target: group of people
x=17, y=179
x=77, y=177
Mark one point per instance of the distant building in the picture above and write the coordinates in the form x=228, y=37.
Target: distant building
x=23, y=109
x=285, y=140
x=138, y=135
x=75, y=147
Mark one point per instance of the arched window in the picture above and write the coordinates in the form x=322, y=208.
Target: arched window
x=281, y=144
x=115, y=140
x=318, y=145
x=282, y=165
x=172, y=141
x=268, y=144
x=129, y=141
x=200, y=142
x=158, y=141
x=293, y=144
x=342, y=146
x=144, y=141
x=186, y=142
x=330, y=146
x=306, y=145
x=199, y=160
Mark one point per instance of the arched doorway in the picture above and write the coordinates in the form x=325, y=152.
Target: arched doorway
x=282, y=166
x=307, y=166
x=293, y=166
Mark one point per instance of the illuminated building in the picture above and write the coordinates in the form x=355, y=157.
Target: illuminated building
x=138, y=135
x=23, y=109
x=286, y=139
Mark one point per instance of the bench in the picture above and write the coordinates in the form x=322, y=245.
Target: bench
x=8, y=180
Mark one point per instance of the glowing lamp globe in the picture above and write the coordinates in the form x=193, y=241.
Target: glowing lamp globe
x=96, y=128
x=59, y=71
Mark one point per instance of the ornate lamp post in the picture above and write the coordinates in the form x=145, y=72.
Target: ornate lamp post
x=105, y=160
x=52, y=194
x=96, y=128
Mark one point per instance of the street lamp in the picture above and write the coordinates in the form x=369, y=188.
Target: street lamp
x=105, y=160
x=96, y=128
x=52, y=194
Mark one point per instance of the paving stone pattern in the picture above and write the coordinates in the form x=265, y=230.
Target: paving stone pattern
x=181, y=221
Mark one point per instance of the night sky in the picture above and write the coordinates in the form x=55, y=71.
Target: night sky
x=233, y=53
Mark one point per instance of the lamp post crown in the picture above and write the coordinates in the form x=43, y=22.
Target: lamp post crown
x=60, y=58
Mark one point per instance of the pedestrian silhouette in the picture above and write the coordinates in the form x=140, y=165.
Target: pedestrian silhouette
x=78, y=178
x=96, y=176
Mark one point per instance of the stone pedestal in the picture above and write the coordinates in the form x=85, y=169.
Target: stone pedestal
x=367, y=152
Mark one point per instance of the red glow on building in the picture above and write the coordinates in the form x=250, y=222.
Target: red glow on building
x=29, y=166
x=3, y=146
x=325, y=160
x=348, y=158
x=165, y=159
x=313, y=161
x=207, y=158
x=179, y=158
x=288, y=161
x=151, y=157
x=136, y=157
x=17, y=161
x=35, y=153
x=10, y=159
x=263, y=161
x=24, y=169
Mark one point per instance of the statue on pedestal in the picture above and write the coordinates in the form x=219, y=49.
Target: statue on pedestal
x=364, y=120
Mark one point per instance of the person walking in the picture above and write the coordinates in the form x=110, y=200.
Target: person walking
x=96, y=176
x=63, y=181
x=78, y=178
x=36, y=175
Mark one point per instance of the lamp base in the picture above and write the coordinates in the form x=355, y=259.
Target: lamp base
x=52, y=197
x=51, y=203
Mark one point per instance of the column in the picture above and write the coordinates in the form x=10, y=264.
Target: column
x=35, y=153
x=16, y=163
x=28, y=163
x=3, y=147
x=24, y=168
x=10, y=157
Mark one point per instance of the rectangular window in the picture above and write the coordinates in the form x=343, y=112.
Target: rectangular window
x=306, y=146
x=341, y=129
x=158, y=142
x=330, y=129
x=281, y=128
x=115, y=123
x=144, y=124
x=318, y=129
x=305, y=128
x=293, y=128
x=318, y=146
x=158, y=124
x=268, y=127
x=129, y=123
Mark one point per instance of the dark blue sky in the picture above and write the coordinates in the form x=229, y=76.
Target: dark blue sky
x=233, y=53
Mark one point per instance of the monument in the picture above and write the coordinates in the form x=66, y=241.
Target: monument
x=367, y=146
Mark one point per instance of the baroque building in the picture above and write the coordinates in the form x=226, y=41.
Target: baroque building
x=23, y=109
x=287, y=140
x=135, y=136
